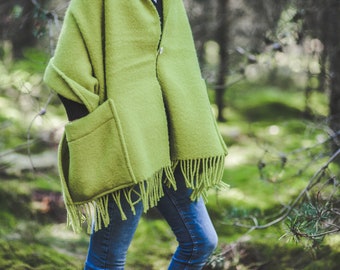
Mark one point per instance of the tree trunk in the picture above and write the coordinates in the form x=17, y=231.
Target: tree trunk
x=222, y=40
x=17, y=24
x=332, y=43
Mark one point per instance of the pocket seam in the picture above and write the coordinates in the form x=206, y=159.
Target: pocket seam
x=110, y=115
x=93, y=130
x=72, y=126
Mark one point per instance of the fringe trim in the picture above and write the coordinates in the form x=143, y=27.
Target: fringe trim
x=202, y=174
x=199, y=175
x=95, y=213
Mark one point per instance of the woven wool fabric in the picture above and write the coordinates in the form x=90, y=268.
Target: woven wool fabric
x=149, y=109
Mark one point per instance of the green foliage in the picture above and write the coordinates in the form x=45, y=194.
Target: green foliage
x=307, y=221
x=19, y=91
x=33, y=61
x=311, y=222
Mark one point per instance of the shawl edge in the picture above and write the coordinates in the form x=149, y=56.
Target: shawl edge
x=199, y=174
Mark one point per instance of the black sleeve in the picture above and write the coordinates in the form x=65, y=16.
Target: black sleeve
x=73, y=109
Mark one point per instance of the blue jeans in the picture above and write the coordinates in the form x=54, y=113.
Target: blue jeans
x=188, y=220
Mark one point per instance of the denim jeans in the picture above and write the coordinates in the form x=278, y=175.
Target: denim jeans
x=188, y=220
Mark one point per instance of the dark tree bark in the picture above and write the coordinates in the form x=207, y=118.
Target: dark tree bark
x=222, y=40
x=201, y=18
x=17, y=24
x=311, y=13
x=322, y=21
x=332, y=42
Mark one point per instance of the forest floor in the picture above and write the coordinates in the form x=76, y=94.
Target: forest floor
x=261, y=122
x=34, y=236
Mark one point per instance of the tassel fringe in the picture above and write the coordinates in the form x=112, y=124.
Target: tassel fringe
x=199, y=175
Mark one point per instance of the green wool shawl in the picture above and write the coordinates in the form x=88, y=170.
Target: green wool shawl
x=149, y=109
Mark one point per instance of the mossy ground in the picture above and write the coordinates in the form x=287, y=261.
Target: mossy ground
x=262, y=120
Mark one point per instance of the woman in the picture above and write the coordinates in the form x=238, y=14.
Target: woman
x=141, y=134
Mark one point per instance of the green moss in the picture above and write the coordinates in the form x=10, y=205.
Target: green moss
x=152, y=246
x=15, y=254
x=265, y=252
x=7, y=222
x=15, y=199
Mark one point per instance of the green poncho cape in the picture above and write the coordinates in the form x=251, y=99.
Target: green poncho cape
x=149, y=109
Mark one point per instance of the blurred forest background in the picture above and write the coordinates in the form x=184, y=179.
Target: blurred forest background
x=273, y=72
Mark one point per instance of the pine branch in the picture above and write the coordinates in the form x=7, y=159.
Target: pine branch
x=288, y=210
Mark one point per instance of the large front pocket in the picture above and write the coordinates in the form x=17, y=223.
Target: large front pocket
x=99, y=162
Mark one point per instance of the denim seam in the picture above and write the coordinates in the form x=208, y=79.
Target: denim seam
x=110, y=227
